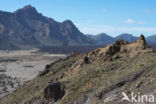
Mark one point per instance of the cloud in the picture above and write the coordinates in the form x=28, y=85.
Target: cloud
x=131, y=21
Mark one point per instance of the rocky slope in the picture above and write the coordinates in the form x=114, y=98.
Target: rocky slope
x=98, y=77
x=28, y=28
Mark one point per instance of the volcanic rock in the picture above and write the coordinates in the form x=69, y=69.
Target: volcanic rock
x=54, y=91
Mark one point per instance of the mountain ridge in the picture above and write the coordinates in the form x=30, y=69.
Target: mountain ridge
x=125, y=36
x=27, y=28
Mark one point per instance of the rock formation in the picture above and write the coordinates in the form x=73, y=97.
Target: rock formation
x=54, y=92
x=122, y=46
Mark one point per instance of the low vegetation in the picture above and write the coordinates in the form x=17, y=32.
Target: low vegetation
x=122, y=66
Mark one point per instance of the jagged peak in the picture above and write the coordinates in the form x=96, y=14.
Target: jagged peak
x=27, y=8
x=70, y=25
x=142, y=40
x=141, y=37
x=68, y=22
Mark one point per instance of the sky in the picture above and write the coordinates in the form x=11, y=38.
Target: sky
x=113, y=17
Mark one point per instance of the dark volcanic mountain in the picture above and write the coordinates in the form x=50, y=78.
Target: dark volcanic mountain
x=126, y=37
x=102, y=39
x=26, y=27
x=151, y=39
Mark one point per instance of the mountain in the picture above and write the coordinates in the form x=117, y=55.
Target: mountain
x=101, y=39
x=151, y=39
x=105, y=39
x=98, y=77
x=28, y=28
x=126, y=37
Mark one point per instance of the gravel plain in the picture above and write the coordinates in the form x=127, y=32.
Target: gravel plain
x=17, y=67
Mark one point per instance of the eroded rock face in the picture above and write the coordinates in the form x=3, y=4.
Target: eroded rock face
x=142, y=40
x=54, y=92
x=114, y=48
x=121, y=48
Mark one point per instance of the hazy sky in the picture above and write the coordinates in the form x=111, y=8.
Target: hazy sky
x=95, y=16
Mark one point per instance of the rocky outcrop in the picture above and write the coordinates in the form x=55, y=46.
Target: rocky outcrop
x=45, y=71
x=116, y=47
x=53, y=92
x=142, y=42
x=86, y=60
x=121, y=47
x=74, y=53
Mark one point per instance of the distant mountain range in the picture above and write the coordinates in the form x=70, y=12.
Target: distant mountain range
x=26, y=28
x=126, y=37
x=106, y=39
x=102, y=38
x=151, y=39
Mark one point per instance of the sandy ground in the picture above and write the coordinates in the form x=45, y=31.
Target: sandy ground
x=16, y=67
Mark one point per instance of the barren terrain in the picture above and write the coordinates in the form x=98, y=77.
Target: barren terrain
x=17, y=67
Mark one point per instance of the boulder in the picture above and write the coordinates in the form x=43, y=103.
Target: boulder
x=86, y=60
x=54, y=91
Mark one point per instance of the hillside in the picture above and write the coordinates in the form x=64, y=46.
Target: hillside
x=26, y=28
x=98, y=77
